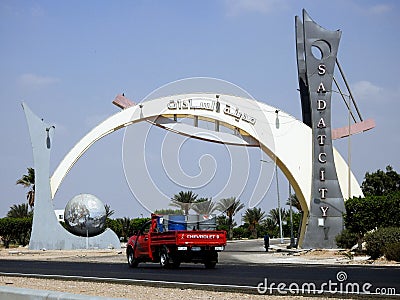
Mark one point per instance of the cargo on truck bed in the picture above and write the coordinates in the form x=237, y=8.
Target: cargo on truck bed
x=167, y=240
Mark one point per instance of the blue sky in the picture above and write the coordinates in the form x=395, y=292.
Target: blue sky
x=69, y=59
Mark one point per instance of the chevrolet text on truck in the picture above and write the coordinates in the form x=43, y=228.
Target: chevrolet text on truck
x=170, y=242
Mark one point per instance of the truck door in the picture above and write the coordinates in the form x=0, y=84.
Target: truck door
x=142, y=244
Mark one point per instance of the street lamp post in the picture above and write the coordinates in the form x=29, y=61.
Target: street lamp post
x=279, y=200
x=349, y=153
x=292, y=244
x=279, y=204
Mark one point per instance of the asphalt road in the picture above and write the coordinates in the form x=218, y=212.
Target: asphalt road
x=268, y=276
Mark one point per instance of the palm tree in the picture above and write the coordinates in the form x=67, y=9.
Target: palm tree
x=271, y=227
x=19, y=211
x=229, y=206
x=109, y=211
x=28, y=180
x=204, y=206
x=168, y=211
x=126, y=227
x=253, y=217
x=295, y=202
x=184, y=200
x=274, y=215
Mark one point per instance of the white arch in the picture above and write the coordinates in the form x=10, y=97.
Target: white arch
x=291, y=144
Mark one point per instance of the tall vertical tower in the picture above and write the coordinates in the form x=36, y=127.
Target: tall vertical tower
x=316, y=50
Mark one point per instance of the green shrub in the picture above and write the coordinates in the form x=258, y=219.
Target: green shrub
x=136, y=224
x=15, y=230
x=124, y=228
x=377, y=241
x=240, y=233
x=346, y=239
x=115, y=226
x=23, y=230
x=223, y=227
x=392, y=251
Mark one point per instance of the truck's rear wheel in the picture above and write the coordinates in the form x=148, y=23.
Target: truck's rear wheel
x=175, y=264
x=210, y=264
x=164, y=258
x=211, y=260
x=132, y=261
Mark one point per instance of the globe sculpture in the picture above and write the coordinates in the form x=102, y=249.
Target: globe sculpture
x=85, y=215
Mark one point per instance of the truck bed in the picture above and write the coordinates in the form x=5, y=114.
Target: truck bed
x=188, y=238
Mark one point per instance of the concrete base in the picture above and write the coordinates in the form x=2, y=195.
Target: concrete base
x=322, y=236
x=67, y=241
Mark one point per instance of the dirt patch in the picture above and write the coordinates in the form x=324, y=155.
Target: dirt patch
x=64, y=255
x=133, y=291
x=348, y=257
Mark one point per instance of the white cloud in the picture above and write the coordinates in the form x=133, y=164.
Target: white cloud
x=379, y=9
x=237, y=7
x=376, y=98
x=36, y=81
x=367, y=91
x=373, y=10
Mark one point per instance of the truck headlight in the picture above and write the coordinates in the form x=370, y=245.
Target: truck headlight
x=182, y=248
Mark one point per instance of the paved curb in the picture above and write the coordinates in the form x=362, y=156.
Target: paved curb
x=13, y=293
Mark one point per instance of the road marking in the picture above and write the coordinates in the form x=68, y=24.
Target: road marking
x=178, y=283
x=128, y=280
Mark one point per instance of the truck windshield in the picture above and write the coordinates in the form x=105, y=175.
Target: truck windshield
x=145, y=228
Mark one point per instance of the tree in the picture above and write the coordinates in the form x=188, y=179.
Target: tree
x=296, y=218
x=381, y=206
x=204, y=206
x=222, y=223
x=28, y=181
x=253, y=217
x=229, y=206
x=168, y=211
x=295, y=202
x=19, y=211
x=184, y=200
x=365, y=214
x=126, y=227
x=381, y=183
x=109, y=211
x=15, y=230
x=361, y=216
x=269, y=226
x=137, y=223
x=274, y=215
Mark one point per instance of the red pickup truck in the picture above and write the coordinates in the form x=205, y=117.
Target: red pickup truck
x=170, y=248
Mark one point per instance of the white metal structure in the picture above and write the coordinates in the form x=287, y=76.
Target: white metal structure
x=288, y=143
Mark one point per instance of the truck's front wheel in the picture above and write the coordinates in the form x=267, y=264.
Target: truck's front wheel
x=164, y=257
x=132, y=261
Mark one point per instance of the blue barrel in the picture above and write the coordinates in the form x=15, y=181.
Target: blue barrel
x=176, y=222
x=160, y=225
